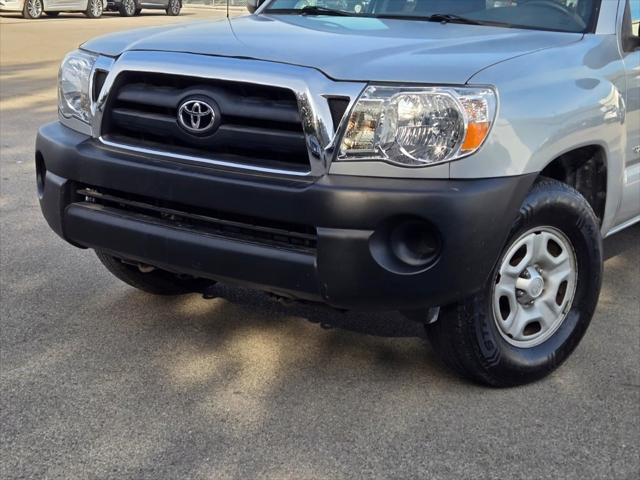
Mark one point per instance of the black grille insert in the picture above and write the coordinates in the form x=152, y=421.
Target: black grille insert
x=260, y=125
x=205, y=221
x=338, y=107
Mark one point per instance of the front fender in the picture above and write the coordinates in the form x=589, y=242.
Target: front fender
x=550, y=102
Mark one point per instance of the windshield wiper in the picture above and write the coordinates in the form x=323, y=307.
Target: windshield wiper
x=310, y=10
x=452, y=18
x=436, y=17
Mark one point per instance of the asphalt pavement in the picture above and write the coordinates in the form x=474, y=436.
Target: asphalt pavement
x=98, y=380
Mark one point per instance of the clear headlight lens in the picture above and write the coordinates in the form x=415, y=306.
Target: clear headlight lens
x=417, y=126
x=74, y=97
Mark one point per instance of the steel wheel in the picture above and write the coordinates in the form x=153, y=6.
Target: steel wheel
x=33, y=9
x=534, y=287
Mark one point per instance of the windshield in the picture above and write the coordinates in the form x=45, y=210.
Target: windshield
x=557, y=15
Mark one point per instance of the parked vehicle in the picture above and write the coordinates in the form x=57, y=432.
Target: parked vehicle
x=129, y=8
x=36, y=8
x=455, y=160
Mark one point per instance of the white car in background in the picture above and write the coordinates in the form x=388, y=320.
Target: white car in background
x=51, y=8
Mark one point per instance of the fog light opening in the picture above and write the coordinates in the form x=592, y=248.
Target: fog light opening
x=41, y=173
x=414, y=243
x=405, y=245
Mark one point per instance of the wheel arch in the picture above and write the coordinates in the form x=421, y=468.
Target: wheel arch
x=584, y=168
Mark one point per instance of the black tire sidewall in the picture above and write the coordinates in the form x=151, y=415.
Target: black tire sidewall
x=549, y=204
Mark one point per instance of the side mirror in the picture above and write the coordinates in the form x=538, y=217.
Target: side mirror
x=252, y=5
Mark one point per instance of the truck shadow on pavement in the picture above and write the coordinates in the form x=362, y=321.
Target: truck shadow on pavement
x=379, y=324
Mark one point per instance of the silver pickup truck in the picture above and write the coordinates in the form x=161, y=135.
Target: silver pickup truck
x=457, y=160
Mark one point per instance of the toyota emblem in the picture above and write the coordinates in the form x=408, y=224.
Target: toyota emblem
x=196, y=116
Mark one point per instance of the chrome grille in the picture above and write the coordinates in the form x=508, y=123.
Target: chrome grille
x=260, y=125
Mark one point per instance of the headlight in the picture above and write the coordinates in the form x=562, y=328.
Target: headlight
x=418, y=126
x=74, y=97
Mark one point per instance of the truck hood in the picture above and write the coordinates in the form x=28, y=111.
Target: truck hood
x=345, y=48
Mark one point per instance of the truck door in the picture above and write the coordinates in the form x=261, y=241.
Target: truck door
x=630, y=207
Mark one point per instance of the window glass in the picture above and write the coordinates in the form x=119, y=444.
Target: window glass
x=561, y=15
x=635, y=16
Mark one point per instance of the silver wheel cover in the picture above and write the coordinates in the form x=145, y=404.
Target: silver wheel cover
x=35, y=8
x=534, y=287
x=96, y=8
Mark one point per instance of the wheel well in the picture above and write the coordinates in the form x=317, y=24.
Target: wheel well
x=584, y=169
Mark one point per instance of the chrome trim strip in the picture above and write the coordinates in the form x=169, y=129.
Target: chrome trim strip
x=104, y=64
x=74, y=124
x=207, y=161
x=622, y=226
x=310, y=86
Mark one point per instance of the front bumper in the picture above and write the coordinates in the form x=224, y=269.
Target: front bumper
x=472, y=219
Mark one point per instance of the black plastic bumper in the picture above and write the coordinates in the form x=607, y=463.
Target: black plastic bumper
x=472, y=219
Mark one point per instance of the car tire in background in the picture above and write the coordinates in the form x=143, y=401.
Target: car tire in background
x=138, y=11
x=94, y=9
x=539, y=300
x=174, y=7
x=32, y=9
x=52, y=14
x=127, y=8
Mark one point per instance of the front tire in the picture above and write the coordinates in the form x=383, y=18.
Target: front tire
x=154, y=281
x=32, y=9
x=174, y=7
x=127, y=8
x=539, y=300
x=94, y=9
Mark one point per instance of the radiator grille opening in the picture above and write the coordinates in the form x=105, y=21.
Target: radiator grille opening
x=205, y=221
x=259, y=125
x=338, y=107
x=98, y=82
